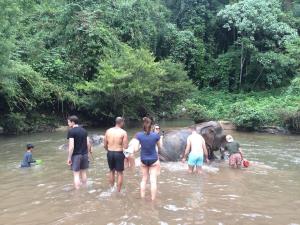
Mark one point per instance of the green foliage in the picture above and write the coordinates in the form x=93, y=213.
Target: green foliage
x=294, y=88
x=14, y=123
x=132, y=84
x=260, y=35
x=183, y=47
x=250, y=110
x=246, y=116
x=196, y=112
x=132, y=57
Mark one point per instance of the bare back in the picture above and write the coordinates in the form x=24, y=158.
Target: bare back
x=116, y=139
x=196, y=142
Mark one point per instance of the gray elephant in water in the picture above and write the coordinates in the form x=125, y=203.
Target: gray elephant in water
x=174, y=142
x=94, y=139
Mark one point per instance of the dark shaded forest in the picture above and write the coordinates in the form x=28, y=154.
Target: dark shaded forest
x=207, y=59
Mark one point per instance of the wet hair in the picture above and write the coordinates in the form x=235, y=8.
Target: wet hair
x=119, y=120
x=147, y=123
x=73, y=119
x=29, y=146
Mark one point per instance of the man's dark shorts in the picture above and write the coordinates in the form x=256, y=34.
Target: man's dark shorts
x=115, y=160
x=80, y=162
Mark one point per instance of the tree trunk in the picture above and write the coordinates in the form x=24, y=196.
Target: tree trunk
x=242, y=65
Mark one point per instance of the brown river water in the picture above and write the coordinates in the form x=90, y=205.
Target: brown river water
x=268, y=192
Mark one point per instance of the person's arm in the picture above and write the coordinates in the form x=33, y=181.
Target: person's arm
x=158, y=144
x=71, y=149
x=89, y=146
x=105, y=141
x=205, y=150
x=30, y=160
x=187, y=150
x=125, y=141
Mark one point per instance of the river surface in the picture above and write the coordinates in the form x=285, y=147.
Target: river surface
x=268, y=192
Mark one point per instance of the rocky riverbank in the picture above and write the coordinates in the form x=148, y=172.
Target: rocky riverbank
x=228, y=125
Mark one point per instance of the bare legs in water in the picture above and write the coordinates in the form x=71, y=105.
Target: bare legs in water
x=119, y=179
x=152, y=172
x=198, y=169
x=80, y=179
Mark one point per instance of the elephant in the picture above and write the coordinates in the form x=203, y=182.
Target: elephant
x=174, y=141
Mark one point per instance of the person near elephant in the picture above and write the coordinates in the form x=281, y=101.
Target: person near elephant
x=149, y=157
x=195, y=150
x=235, y=152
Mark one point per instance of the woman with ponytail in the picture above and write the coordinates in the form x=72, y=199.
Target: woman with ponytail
x=149, y=157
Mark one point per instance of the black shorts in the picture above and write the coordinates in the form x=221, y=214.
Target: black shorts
x=115, y=160
x=149, y=162
x=80, y=162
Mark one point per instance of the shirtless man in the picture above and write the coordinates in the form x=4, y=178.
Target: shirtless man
x=115, y=142
x=194, y=149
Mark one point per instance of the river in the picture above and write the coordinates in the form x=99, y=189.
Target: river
x=268, y=192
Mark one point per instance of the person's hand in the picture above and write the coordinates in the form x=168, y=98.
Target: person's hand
x=69, y=162
x=207, y=160
x=183, y=160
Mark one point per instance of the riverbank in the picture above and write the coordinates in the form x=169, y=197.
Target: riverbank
x=275, y=111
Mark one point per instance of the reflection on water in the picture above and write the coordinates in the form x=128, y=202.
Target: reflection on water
x=268, y=192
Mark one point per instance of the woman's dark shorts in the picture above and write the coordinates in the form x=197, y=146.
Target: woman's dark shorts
x=148, y=162
x=115, y=160
x=80, y=162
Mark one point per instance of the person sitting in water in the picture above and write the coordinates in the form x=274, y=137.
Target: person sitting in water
x=149, y=157
x=27, y=159
x=235, y=153
x=195, y=148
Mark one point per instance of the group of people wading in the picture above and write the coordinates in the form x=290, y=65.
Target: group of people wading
x=120, y=152
x=117, y=146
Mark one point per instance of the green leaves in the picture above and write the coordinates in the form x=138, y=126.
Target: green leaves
x=261, y=36
x=132, y=84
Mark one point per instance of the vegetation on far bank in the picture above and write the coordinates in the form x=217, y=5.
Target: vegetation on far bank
x=221, y=59
x=248, y=111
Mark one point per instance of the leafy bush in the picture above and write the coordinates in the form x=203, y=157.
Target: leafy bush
x=14, y=123
x=132, y=84
x=196, y=112
x=294, y=88
x=246, y=117
x=248, y=111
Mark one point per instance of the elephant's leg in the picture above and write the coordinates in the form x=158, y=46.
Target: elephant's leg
x=211, y=155
x=222, y=154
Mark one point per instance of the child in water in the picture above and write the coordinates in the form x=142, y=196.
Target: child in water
x=235, y=153
x=27, y=159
